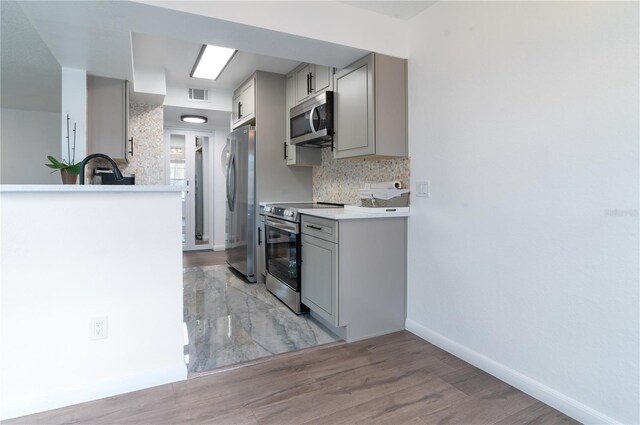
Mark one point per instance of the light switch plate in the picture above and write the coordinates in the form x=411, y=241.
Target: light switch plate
x=423, y=189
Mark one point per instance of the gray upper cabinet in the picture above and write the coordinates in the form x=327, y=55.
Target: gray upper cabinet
x=108, y=117
x=370, y=108
x=311, y=80
x=297, y=155
x=244, y=101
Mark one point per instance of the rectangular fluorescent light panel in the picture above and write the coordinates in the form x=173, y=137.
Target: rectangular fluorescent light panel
x=211, y=61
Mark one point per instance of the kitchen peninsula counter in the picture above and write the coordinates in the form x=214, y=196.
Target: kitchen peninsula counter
x=70, y=254
x=70, y=188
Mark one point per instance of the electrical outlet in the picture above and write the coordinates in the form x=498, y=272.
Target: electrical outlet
x=423, y=189
x=99, y=328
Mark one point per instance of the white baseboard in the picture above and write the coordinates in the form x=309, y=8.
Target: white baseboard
x=553, y=398
x=96, y=390
x=218, y=247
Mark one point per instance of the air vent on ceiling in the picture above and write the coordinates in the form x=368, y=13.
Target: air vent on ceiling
x=200, y=95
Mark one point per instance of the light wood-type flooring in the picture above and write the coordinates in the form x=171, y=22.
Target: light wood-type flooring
x=393, y=379
x=203, y=258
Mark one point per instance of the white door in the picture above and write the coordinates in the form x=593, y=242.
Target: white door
x=189, y=162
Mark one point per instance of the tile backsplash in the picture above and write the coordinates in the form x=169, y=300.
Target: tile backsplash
x=146, y=128
x=338, y=180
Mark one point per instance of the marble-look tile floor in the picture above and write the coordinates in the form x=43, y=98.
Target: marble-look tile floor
x=229, y=321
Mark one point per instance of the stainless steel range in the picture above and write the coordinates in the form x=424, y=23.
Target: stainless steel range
x=282, y=230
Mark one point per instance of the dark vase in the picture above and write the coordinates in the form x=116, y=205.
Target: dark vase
x=67, y=177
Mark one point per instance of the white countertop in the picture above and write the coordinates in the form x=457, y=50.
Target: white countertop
x=265, y=203
x=25, y=188
x=352, y=213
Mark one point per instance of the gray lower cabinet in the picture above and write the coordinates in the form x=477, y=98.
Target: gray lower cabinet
x=320, y=285
x=370, y=108
x=353, y=274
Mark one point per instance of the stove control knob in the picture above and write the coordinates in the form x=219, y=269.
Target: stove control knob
x=267, y=209
x=288, y=213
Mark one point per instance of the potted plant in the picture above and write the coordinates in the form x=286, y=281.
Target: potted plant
x=69, y=170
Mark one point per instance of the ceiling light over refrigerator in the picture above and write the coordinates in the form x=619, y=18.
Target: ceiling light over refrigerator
x=211, y=61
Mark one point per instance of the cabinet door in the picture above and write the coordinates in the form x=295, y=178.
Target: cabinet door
x=106, y=116
x=303, y=83
x=234, y=112
x=244, y=101
x=247, y=102
x=320, y=277
x=354, y=110
x=322, y=79
x=290, y=151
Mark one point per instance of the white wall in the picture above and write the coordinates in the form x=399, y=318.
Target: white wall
x=74, y=104
x=27, y=138
x=524, y=118
x=219, y=189
x=68, y=257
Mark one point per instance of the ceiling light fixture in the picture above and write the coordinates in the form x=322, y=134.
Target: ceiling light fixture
x=194, y=119
x=211, y=61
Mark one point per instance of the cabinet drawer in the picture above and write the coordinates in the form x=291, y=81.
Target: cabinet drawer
x=320, y=227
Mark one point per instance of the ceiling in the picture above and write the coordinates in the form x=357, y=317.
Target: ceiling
x=30, y=73
x=116, y=38
x=404, y=10
x=177, y=57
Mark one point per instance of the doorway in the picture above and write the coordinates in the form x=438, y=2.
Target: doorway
x=189, y=162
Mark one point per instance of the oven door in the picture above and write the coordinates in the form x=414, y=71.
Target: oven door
x=282, y=241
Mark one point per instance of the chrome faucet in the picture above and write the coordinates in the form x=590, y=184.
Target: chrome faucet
x=116, y=171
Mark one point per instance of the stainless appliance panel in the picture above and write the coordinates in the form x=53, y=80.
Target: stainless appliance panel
x=287, y=295
x=311, y=123
x=282, y=243
x=240, y=243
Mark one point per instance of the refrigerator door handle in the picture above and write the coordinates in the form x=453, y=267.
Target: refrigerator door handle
x=232, y=206
x=230, y=193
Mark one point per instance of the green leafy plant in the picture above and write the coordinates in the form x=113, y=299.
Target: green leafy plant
x=72, y=167
x=64, y=165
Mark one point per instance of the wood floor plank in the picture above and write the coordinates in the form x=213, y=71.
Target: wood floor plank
x=394, y=379
x=338, y=392
x=486, y=407
x=108, y=409
x=471, y=380
x=538, y=414
x=399, y=407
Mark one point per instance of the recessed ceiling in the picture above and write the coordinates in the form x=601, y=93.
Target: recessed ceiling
x=404, y=10
x=177, y=57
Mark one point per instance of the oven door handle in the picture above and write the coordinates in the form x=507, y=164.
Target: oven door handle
x=284, y=225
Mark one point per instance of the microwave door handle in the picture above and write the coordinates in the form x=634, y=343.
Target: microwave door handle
x=313, y=111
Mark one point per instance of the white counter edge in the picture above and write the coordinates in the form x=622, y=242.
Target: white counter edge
x=32, y=188
x=342, y=214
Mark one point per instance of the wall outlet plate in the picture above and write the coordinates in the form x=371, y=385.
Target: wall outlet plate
x=98, y=328
x=423, y=189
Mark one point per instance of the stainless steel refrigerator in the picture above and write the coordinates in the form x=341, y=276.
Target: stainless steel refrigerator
x=240, y=238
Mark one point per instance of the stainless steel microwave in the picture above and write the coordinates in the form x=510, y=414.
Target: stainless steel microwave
x=311, y=122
